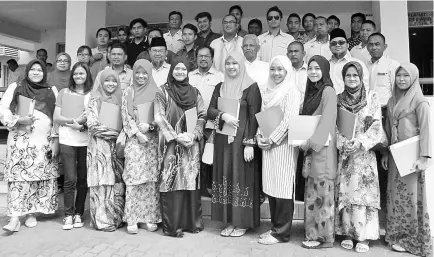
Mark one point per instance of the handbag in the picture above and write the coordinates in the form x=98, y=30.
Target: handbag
x=120, y=144
x=208, y=152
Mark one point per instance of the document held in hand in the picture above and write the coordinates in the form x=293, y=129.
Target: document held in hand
x=232, y=107
x=146, y=112
x=405, y=154
x=72, y=106
x=191, y=119
x=301, y=128
x=269, y=120
x=26, y=106
x=110, y=115
x=347, y=122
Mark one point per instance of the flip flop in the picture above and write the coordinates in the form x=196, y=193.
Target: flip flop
x=347, y=244
x=227, y=231
x=238, y=232
x=362, y=248
x=398, y=248
x=315, y=245
x=263, y=235
x=268, y=240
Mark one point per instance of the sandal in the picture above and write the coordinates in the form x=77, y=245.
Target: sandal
x=238, y=232
x=227, y=231
x=263, y=235
x=268, y=240
x=316, y=245
x=362, y=247
x=347, y=244
x=398, y=248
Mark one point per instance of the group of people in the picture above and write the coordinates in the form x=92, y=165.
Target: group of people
x=151, y=171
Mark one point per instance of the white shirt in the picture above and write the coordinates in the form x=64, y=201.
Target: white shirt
x=299, y=78
x=382, y=74
x=314, y=47
x=273, y=45
x=205, y=83
x=362, y=53
x=259, y=71
x=17, y=75
x=336, y=72
x=221, y=49
x=160, y=75
x=174, y=43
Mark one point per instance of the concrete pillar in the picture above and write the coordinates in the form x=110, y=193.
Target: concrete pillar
x=83, y=19
x=391, y=18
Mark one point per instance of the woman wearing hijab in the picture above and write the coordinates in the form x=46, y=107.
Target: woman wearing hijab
x=179, y=152
x=279, y=159
x=31, y=167
x=59, y=77
x=320, y=156
x=236, y=173
x=141, y=160
x=408, y=224
x=104, y=168
x=358, y=196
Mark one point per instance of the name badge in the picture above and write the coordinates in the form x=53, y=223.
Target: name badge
x=381, y=74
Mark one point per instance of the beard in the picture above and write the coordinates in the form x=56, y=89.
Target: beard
x=157, y=63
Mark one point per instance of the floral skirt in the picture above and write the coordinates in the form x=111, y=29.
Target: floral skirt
x=319, y=210
x=107, y=205
x=142, y=204
x=358, y=222
x=28, y=197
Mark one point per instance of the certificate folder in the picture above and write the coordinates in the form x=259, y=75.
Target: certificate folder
x=232, y=107
x=72, y=106
x=26, y=106
x=269, y=120
x=110, y=115
x=146, y=112
x=347, y=122
x=405, y=154
x=191, y=119
x=301, y=128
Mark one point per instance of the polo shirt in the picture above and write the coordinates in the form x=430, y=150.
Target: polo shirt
x=336, y=67
x=125, y=76
x=259, y=71
x=160, y=75
x=273, y=45
x=206, y=41
x=205, y=83
x=222, y=47
x=174, y=43
x=133, y=50
x=382, y=77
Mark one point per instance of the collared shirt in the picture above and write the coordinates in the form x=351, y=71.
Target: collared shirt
x=206, y=41
x=126, y=76
x=259, y=71
x=299, y=78
x=221, y=49
x=299, y=38
x=174, y=43
x=362, y=53
x=273, y=45
x=189, y=56
x=306, y=38
x=133, y=50
x=336, y=72
x=352, y=42
x=205, y=83
x=17, y=75
x=160, y=75
x=382, y=74
x=314, y=47
x=145, y=55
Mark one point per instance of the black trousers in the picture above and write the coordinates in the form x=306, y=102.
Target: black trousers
x=74, y=165
x=282, y=212
x=382, y=173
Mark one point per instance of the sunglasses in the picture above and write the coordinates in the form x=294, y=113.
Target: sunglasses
x=275, y=17
x=340, y=42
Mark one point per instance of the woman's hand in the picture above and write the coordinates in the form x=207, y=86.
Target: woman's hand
x=74, y=125
x=421, y=164
x=185, y=139
x=352, y=147
x=142, y=138
x=385, y=161
x=264, y=143
x=28, y=120
x=248, y=153
x=231, y=120
x=55, y=148
x=143, y=127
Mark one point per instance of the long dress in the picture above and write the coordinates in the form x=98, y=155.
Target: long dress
x=142, y=202
x=357, y=186
x=408, y=222
x=180, y=166
x=236, y=184
x=104, y=174
x=31, y=176
x=319, y=169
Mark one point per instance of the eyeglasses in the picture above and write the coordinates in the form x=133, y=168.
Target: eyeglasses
x=229, y=22
x=62, y=61
x=157, y=51
x=275, y=18
x=199, y=56
x=340, y=42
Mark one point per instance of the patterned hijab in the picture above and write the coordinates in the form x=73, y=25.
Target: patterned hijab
x=142, y=93
x=40, y=91
x=353, y=99
x=413, y=96
x=60, y=79
x=233, y=88
x=274, y=94
x=101, y=95
x=314, y=90
x=182, y=93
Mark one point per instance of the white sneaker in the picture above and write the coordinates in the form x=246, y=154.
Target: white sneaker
x=77, y=221
x=68, y=223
